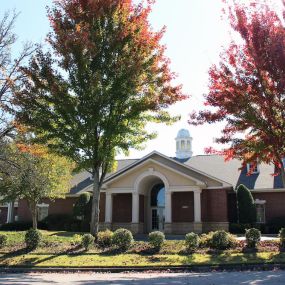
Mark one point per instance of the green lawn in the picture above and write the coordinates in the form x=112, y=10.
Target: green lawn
x=61, y=249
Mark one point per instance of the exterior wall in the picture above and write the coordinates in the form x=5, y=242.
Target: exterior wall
x=214, y=205
x=182, y=207
x=122, y=208
x=102, y=207
x=274, y=206
x=3, y=215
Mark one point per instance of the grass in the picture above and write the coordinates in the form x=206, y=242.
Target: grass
x=60, y=249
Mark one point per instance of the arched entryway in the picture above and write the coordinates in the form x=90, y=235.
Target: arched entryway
x=157, y=207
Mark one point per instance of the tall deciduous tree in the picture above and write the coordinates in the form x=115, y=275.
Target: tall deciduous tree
x=246, y=89
x=106, y=78
x=31, y=173
x=10, y=75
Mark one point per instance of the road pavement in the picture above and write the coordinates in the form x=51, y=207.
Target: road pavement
x=210, y=278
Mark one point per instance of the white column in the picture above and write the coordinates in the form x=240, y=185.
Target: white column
x=135, y=207
x=9, y=213
x=108, y=208
x=197, y=206
x=168, y=208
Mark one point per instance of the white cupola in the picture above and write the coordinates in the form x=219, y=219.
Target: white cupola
x=183, y=144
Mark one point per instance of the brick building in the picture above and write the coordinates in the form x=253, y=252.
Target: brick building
x=174, y=195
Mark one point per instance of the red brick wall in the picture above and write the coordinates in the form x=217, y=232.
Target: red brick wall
x=214, y=205
x=182, y=207
x=122, y=208
x=275, y=204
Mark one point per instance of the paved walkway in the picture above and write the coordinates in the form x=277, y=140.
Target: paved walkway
x=211, y=278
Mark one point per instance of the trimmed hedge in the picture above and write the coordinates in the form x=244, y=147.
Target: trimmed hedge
x=122, y=239
x=156, y=239
x=192, y=241
x=3, y=240
x=33, y=238
x=105, y=238
x=253, y=237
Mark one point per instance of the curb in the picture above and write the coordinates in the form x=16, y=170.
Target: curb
x=118, y=269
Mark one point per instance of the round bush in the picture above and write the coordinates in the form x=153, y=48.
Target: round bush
x=3, y=240
x=192, y=241
x=33, y=238
x=253, y=237
x=206, y=239
x=87, y=241
x=282, y=237
x=104, y=238
x=123, y=239
x=220, y=240
x=156, y=239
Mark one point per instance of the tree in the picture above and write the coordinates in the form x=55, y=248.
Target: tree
x=246, y=206
x=246, y=89
x=80, y=206
x=31, y=173
x=106, y=78
x=10, y=75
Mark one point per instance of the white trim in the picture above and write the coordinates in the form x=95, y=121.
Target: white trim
x=267, y=190
x=119, y=190
x=184, y=188
x=259, y=202
x=254, y=172
x=147, y=173
x=108, y=208
x=42, y=205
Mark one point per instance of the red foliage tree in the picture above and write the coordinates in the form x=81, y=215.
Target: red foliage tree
x=247, y=88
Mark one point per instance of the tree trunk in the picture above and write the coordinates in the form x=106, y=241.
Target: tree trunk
x=34, y=212
x=95, y=205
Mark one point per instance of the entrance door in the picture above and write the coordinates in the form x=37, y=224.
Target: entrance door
x=157, y=207
x=157, y=219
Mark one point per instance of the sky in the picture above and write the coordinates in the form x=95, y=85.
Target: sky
x=195, y=36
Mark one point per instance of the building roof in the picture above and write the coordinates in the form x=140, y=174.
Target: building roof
x=213, y=165
x=183, y=134
x=230, y=172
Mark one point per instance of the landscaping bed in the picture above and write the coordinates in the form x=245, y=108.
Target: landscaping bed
x=63, y=249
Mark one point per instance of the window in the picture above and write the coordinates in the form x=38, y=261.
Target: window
x=253, y=168
x=183, y=145
x=188, y=145
x=260, y=211
x=42, y=211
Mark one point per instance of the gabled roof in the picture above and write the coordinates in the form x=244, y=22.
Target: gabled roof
x=200, y=176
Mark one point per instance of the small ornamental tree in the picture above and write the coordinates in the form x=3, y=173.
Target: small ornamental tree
x=81, y=205
x=32, y=173
x=246, y=206
x=246, y=88
x=106, y=77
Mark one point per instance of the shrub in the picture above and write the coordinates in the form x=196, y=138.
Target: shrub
x=253, y=237
x=236, y=228
x=87, y=241
x=206, y=239
x=192, y=241
x=276, y=224
x=123, y=239
x=104, y=238
x=33, y=238
x=3, y=240
x=220, y=240
x=246, y=205
x=76, y=240
x=156, y=239
x=282, y=237
x=16, y=226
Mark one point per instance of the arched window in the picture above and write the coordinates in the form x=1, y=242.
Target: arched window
x=157, y=196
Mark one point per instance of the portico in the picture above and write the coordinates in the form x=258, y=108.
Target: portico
x=154, y=196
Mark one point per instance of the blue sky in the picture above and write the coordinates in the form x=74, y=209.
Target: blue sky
x=194, y=38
